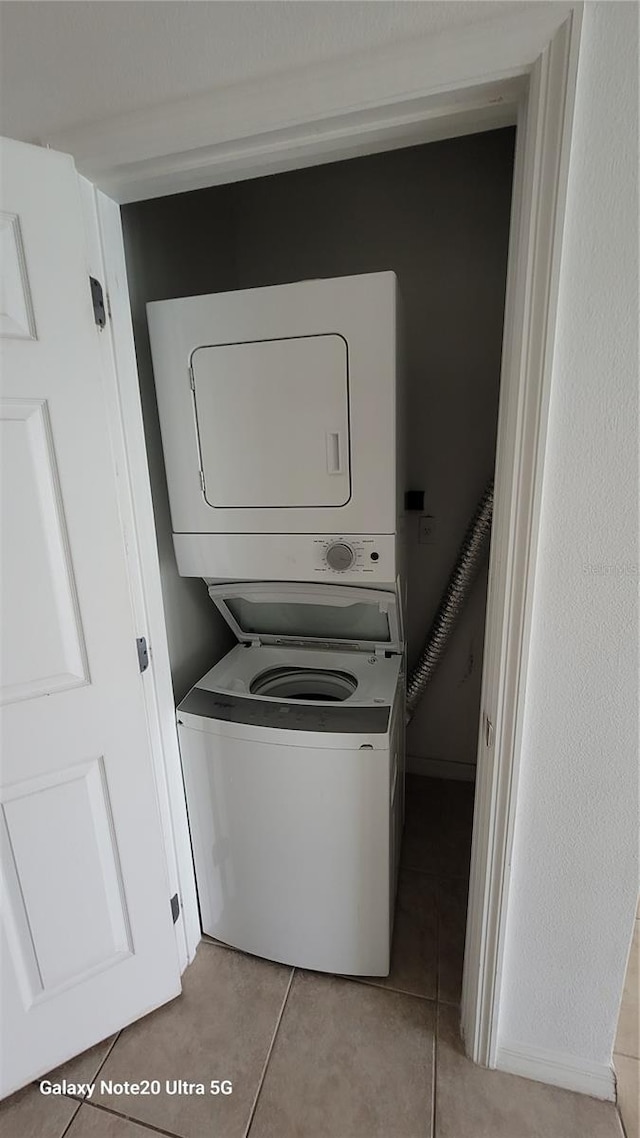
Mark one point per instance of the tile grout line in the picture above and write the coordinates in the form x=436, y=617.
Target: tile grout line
x=109, y=1110
x=76, y=1098
x=623, y=1129
x=624, y=1133
x=117, y=1037
x=128, y=1118
x=448, y=1003
x=36, y=1082
x=344, y=976
x=381, y=987
x=268, y=1057
x=72, y=1119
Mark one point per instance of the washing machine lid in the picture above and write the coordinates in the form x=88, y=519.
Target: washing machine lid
x=320, y=616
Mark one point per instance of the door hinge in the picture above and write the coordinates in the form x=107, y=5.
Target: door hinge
x=202, y=480
x=97, y=299
x=192, y=381
x=143, y=653
x=175, y=907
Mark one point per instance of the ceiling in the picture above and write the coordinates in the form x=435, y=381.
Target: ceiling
x=68, y=64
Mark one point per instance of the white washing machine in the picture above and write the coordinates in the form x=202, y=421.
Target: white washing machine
x=293, y=755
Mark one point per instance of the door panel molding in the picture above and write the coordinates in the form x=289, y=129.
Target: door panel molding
x=50, y=888
x=49, y=651
x=17, y=318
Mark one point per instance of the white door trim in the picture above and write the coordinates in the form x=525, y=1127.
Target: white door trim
x=429, y=87
x=135, y=159
x=540, y=181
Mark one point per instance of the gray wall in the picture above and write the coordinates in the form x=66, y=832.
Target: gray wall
x=439, y=216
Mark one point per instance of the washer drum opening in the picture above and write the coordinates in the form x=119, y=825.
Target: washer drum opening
x=304, y=684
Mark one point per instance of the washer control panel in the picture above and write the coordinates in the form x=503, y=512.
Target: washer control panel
x=346, y=554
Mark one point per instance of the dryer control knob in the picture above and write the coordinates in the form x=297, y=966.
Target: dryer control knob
x=340, y=556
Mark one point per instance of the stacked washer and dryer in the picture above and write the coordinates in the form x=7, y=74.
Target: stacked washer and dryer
x=279, y=410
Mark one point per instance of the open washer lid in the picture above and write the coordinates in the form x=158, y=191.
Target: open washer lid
x=314, y=616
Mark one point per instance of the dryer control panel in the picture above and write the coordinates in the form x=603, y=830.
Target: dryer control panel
x=357, y=559
x=346, y=554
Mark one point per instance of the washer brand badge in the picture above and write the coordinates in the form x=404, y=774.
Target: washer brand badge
x=144, y=1087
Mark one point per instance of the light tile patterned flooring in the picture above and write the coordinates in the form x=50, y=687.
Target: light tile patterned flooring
x=316, y=1056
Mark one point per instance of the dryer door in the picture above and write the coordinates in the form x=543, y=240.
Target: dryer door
x=273, y=422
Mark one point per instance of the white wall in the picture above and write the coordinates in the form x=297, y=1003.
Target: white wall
x=574, y=870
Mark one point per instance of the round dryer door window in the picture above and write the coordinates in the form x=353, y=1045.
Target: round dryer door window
x=308, y=684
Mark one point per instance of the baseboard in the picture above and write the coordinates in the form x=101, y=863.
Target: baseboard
x=581, y=1075
x=440, y=768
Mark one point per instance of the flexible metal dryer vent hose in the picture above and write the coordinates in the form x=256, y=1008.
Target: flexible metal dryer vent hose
x=453, y=601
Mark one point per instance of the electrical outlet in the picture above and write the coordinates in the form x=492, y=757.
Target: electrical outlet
x=427, y=530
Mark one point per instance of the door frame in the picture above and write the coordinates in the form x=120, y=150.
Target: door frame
x=523, y=71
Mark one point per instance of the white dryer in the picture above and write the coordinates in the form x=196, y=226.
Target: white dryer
x=280, y=415
x=293, y=756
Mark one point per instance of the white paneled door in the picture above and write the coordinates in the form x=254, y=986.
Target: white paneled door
x=88, y=939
